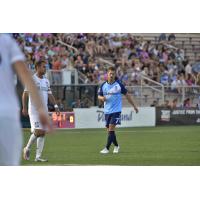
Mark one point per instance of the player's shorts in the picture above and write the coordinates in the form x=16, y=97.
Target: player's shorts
x=35, y=123
x=113, y=118
x=10, y=141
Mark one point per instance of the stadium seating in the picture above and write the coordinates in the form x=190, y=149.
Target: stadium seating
x=87, y=56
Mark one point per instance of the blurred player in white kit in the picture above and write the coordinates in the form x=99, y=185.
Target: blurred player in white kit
x=38, y=131
x=13, y=60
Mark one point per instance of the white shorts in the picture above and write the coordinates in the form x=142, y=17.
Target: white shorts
x=35, y=123
x=10, y=141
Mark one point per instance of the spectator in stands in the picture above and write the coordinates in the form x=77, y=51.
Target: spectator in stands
x=197, y=79
x=154, y=104
x=188, y=68
x=171, y=38
x=144, y=56
x=174, y=103
x=178, y=83
x=187, y=103
x=134, y=52
x=172, y=54
x=64, y=61
x=56, y=66
x=60, y=104
x=135, y=76
x=77, y=104
x=79, y=63
x=179, y=55
x=30, y=64
x=165, y=55
x=162, y=37
x=170, y=68
x=166, y=104
x=124, y=78
x=190, y=80
x=164, y=78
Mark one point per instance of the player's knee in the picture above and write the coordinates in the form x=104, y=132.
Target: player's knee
x=39, y=133
x=111, y=127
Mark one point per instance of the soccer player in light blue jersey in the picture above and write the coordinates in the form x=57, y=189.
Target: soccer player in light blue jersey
x=110, y=92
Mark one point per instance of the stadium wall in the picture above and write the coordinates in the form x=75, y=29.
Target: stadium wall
x=147, y=116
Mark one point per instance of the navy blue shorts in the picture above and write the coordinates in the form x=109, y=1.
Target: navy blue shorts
x=113, y=118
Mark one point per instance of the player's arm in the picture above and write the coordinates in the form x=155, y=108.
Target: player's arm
x=53, y=101
x=24, y=103
x=130, y=100
x=101, y=97
x=124, y=91
x=27, y=80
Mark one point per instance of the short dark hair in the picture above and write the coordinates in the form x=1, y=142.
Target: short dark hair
x=39, y=63
x=111, y=69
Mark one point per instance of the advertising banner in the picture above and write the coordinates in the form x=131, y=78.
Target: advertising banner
x=94, y=117
x=178, y=116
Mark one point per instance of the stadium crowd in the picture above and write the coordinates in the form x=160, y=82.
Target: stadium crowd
x=131, y=55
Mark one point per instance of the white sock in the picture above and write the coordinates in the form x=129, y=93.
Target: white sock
x=40, y=146
x=32, y=139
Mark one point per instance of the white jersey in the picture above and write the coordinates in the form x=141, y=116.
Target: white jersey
x=9, y=54
x=43, y=86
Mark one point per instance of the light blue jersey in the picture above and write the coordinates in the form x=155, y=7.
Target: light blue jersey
x=113, y=93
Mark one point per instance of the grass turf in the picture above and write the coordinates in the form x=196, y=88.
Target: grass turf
x=152, y=146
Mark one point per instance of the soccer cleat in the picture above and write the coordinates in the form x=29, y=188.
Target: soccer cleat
x=26, y=153
x=40, y=160
x=116, y=149
x=104, y=151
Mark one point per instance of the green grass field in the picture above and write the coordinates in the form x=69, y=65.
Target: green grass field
x=155, y=146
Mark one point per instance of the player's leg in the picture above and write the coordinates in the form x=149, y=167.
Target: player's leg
x=113, y=137
x=115, y=120
x=106, y=149
x=10, y=141
x=40, y=133
x=111, y=132
x=34, y=124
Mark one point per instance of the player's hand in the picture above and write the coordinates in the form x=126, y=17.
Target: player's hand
x=45, y=120
x=25, y=112
x=136, y=109
x=103, y=99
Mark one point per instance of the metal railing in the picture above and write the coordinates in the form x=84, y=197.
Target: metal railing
x=157, y=87
x=145, y=95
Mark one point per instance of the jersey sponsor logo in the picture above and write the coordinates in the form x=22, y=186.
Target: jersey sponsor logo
x=114, y=91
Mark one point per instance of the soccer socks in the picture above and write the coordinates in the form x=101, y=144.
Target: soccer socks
x=115, y=139
x=111, y=139
x=32, y=139
x=40, y=146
